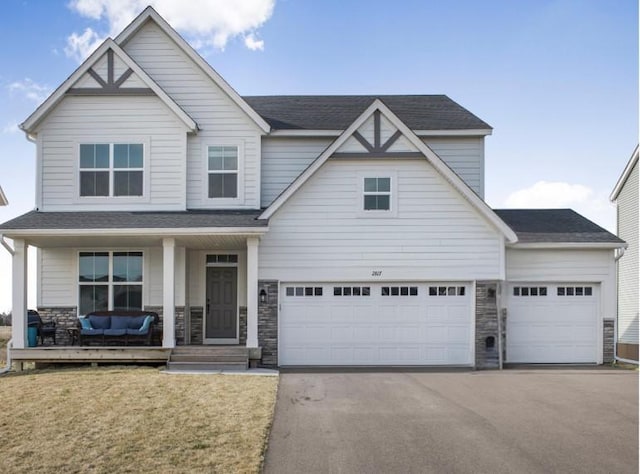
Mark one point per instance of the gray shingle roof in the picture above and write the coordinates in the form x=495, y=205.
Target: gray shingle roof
x=134, y=220
x=337, y=112
x=554, y=225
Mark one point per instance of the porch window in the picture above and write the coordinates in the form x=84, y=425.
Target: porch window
x=223, y=171
x=108, y=169
x=109, y=281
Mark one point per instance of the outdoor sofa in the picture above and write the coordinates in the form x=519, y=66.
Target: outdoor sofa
x=125, y=327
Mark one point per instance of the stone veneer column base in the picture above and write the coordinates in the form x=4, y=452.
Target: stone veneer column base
x=196, y=325
x=486, y=326
x=608, y=326
x=66, y=317
x=268, y=323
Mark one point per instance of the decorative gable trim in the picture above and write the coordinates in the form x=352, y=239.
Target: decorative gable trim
x=377, y=149
x=426, y=153
x=3, y=198
x=150, y=14
x=111, y=86
x=43, y=110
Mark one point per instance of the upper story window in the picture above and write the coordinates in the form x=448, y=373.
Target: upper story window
x=111, y=169
x=377, y=194
x=223, y=171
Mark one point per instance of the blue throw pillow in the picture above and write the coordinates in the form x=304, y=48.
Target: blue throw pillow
x=147, y=322
x=136, y=322
x=85, y=323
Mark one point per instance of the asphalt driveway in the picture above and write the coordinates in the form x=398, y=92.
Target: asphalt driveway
x=515, y=421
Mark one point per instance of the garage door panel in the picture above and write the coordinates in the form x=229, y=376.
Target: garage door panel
x=552, y=327
x=390, y=327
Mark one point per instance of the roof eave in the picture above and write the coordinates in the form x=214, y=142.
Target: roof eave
x=168, y=231
x=567, y=245
x=625, y=175
x=421, y=133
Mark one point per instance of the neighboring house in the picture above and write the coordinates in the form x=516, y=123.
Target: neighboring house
x=324, y=230
x=625, y=195
x=3, y=198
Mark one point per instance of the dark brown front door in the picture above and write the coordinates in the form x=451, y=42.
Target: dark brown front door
x=222, y=305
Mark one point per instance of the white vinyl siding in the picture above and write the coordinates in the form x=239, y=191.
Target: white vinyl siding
x=58, y=278
x=628, y=265
x=217, y=116
x=112, y=120
x=283, y=159
x=464, y=155
x=436, y=234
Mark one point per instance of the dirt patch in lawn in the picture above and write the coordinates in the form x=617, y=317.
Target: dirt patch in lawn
x=134, y=420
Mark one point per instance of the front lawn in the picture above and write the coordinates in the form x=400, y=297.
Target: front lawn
x=133, y=420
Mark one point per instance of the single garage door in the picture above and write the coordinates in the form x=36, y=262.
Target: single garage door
x=553, y=323
x=375, y=324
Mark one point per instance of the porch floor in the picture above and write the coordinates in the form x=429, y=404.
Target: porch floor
x=84, y=354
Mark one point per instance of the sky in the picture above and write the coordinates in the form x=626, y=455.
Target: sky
x=556, y=79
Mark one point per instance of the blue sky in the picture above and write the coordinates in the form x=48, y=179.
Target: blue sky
x=557, y=79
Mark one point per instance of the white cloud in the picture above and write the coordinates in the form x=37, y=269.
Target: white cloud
x=79, y=46
x=203, y=22
x=30, y=89
x=251, y=42
x=11, y=128
x=580, y=198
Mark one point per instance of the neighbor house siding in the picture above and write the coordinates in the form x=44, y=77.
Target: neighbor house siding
x=219, y=119
x=283, y=159
x=628, y=265
x=320, y=233
x=564, y=265
x=105, y=120
x=464, y=155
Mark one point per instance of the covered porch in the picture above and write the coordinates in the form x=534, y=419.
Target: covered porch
x=197, y=269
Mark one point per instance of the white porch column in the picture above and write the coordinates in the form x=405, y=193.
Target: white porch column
x=252, y=292
x=19, y=294
x=168, y=293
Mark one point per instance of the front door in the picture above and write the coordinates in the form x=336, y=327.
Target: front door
x=222, y=305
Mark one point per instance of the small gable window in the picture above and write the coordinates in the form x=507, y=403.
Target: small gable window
x=377, y=194
x=108, y=169
x=223, y=171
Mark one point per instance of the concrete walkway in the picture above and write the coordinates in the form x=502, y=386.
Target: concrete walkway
x=516, y=421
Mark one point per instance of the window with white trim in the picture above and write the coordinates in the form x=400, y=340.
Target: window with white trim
x=223, y=171
x=111, y=169
x=109, y=281
x=377, y=194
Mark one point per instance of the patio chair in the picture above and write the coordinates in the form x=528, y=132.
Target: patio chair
x=45, y=329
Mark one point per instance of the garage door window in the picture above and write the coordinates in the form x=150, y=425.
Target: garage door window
x=399, y=291
x=575, y=291
x=529, y=291
x=351, y=291
x=446, y=291
x=303, y=291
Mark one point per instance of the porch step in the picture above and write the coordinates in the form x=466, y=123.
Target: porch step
x=206, y=358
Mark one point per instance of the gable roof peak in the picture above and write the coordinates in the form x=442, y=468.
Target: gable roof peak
x=150, y=14
x=107, y=45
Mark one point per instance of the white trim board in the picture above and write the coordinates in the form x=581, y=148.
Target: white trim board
x=625, y=175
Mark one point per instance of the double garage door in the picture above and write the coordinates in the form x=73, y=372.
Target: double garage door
x=553, y=323
x=375, y=324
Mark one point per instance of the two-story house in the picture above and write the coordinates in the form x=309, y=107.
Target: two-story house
x=313, y=230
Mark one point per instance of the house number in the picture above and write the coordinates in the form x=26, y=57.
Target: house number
x=376, y=273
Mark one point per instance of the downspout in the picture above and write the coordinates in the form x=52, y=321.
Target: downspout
x=618, y=256
x=7, y=368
